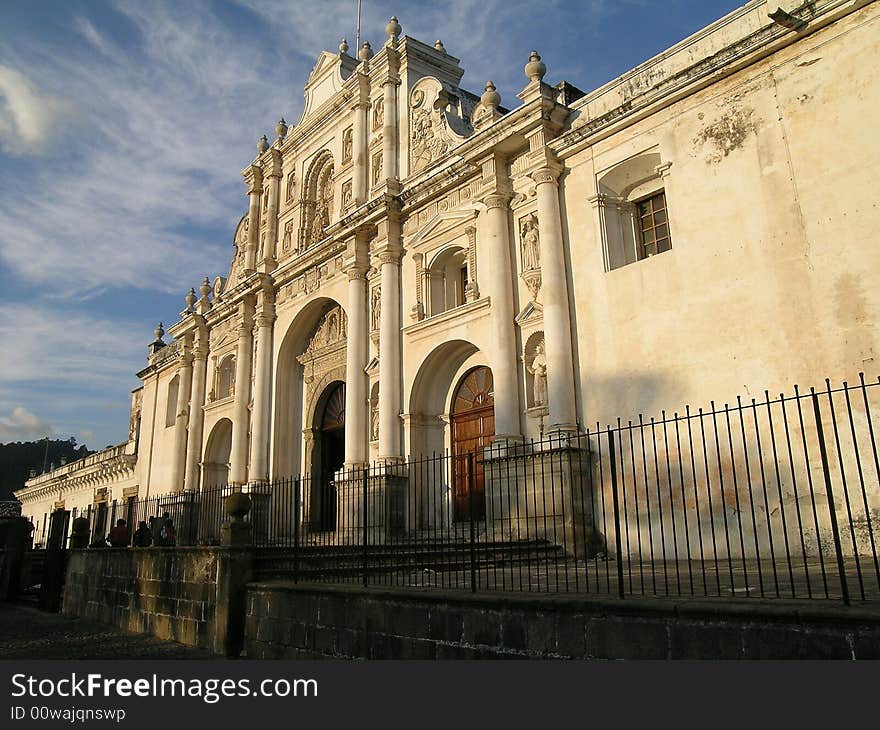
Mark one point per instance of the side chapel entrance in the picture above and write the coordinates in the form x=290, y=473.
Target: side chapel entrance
x=473, y=429
x=329, y=455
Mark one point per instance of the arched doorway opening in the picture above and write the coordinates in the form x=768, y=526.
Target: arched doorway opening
x=473, y=429
x=215, y=465
x=328, y=455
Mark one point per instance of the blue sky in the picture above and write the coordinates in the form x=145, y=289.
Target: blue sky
x=124, y=126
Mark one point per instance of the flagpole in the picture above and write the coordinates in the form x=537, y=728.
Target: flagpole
x=357, y=33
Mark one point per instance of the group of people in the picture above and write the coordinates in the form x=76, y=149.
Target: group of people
x=160, y=532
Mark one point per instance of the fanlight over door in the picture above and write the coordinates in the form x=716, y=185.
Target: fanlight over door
x=473, y=429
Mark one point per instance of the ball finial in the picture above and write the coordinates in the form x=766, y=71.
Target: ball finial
x=535, y=69
x=490, y=98
x=263, y=144
x=438, y=45
x=366, y=52
x=392, y=30
x=343, y=47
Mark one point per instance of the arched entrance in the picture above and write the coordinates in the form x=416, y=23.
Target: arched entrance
x=215, y=465
x=473, y=428
x=328, y=455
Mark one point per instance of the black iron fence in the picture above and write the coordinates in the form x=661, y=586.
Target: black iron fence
x=774, y=497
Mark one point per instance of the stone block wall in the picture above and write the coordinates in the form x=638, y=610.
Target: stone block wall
x=189, y=595
x=291, y=621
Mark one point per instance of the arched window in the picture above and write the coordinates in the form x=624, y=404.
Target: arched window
x=632, y=208
x=171, y=403
x=225, y=378
x=318, y=201
x=447, y=279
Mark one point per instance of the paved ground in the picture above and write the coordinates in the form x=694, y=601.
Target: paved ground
x=27, y=633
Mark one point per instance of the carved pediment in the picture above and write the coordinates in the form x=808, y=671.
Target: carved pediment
x=331, y=330
x=440, y=225
x=531, y=314
x=326, y=80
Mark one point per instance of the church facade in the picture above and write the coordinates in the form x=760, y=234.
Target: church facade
x=421, y=269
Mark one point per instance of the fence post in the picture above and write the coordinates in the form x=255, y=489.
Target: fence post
x=615, y=502
x=296, y=513
x=366, y=485
x=844, y=589
x=471, y=481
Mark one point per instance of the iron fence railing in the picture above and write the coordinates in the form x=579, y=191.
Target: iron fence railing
x=773, y=497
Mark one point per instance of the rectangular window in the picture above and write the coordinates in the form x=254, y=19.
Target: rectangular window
x=653, y=226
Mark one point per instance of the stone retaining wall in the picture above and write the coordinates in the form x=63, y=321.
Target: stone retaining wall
x=297, y=621
x=190, y=595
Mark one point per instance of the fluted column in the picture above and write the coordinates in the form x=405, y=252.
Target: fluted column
x=389, y=129
x=390, y=374
x=254, y=177
x=259, y=466
x=355, y=367
x=273, y=180
x=359, y=153
x=557, y=318
x=238, y=456
x=504, y=371
x=196, y=414
x=184, y=391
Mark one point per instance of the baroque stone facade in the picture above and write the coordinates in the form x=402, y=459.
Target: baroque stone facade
x=697, y=228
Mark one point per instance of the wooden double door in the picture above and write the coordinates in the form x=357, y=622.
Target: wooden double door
x=473, y=429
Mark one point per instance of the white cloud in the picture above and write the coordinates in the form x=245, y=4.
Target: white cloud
x=22, y=425
x=28, y=118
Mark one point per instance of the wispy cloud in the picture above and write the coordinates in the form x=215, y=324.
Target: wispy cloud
x=29, y=119
x=22, y=425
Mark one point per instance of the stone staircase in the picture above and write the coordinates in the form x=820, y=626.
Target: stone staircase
x=348, y=561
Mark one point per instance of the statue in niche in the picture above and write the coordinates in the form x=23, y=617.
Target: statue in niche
x=378, y=114
x=531, y=254
x=538, y=369
x=287, y=240
x=377, y=168
x=347, y=146
x=322, y=208
x=374, y=422
x=291, y=182
x=346, y=195
x=375, y=308
x=266, y=199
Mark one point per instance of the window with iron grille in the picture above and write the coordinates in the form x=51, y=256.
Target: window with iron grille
x=652, y=225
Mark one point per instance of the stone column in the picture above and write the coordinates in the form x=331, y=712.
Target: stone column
x=238, y=457
x=196, y=413
x=265, y=318
x=504, y=370
x=356, y=406
x=557, y=318
x=254, y=177
x=273, y=176
x=184, y=392
x=389, y=128
x=359, y=185
x=390, y=374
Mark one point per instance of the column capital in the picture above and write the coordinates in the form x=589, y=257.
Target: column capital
x=253, y=177
x=547, y=174
x=496, y=200
x=266, y=316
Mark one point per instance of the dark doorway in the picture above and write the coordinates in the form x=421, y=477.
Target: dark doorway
x=329, y=454
x=473, y=428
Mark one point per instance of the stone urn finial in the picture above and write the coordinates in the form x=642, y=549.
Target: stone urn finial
x=281, y=128
x=366, y=52
x=490, y=98
x=393, y=28
x=237, y=504
x=343, y=47
x=535, y=69
x=263, y=144
x=438, y=45
x=190, y=300
x=206, y=288
x=159, y=332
